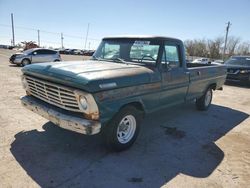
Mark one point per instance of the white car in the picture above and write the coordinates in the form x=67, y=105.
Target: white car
x=35, y=55
x=202, y=61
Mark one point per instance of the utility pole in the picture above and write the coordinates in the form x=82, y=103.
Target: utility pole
x=13, y=32
x=38, y=37
x=86, y=37
x=225, y=45
x=62, y=39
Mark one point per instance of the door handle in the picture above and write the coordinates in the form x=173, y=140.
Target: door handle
x=198, y=73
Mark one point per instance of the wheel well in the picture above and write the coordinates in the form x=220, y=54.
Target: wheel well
x=137, y=105
x=213, y=86
x=26, y=59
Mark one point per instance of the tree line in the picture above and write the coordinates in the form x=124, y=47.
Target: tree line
x=213, y=48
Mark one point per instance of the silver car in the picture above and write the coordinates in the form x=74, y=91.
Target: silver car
x=35, y=55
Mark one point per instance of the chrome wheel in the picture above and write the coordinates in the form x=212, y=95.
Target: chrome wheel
x=25, y=62
x=126, y=129
x=208, y=97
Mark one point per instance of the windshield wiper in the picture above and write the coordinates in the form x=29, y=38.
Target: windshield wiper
x=118, y=59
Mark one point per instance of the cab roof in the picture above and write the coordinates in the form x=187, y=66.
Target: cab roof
x=141, y=37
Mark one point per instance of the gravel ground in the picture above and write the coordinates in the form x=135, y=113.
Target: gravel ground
x=177, y=147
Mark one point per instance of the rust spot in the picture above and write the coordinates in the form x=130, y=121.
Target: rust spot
x=128, y=91
x=92, y=116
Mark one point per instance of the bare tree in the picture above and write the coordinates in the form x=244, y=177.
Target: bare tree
x=29, y=44
x=214, y=47
x=200, y=48
x=189, y=45
x=243, y=48
x=232, y=45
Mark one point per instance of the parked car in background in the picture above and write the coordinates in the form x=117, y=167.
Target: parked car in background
x=61, y=50
x=67, y=51
x=77, y=52
x=6, y=46
x=238, y=69
x=88, y=52
x=202, y=61
x=35, y=55
x=218, y=62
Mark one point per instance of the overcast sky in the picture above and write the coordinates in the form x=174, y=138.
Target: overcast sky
x=185, y=19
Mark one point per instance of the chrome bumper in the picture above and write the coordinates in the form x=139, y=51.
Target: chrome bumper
x=65, y=121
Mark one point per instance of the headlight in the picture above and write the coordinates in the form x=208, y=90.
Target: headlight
x=87, y=105
x=24, y=83
x=244, y=71
x=83, y=103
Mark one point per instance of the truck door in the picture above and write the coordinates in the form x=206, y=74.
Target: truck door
x=175, y=79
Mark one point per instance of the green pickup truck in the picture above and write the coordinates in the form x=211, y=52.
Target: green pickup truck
x=126, y=78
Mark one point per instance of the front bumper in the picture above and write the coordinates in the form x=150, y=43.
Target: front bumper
x=15, y=61
x=58, y=117
x=238, y=77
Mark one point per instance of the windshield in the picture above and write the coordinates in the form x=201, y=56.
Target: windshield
x=137, y=51
x=28, y=51
x=238, y=61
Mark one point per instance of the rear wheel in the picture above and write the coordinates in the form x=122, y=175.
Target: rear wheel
x=204, y=102
x=25, y=62
x=123, y=129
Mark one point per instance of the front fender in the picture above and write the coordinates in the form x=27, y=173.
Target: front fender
x=108, y=109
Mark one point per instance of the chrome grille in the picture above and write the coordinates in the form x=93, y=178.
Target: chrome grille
x=57, y=95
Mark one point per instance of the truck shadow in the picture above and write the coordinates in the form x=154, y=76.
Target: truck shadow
x=172, y=141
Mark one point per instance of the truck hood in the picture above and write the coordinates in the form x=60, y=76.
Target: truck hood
x=93, y=76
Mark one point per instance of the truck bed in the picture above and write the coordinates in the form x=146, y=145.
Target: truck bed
x=203, y=75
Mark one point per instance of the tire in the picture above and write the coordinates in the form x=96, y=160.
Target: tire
x=57, y=60
x=25, y=62
x=204, y=102
x=117, y=139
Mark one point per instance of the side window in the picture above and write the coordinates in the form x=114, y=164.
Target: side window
x=36, y=52
x=50, y=52
x=171, y=56
x=39, y=52
x=47, y=52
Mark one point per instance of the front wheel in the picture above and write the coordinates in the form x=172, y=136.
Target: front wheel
x=123, y=129
x=204, y=102
x=25, y=62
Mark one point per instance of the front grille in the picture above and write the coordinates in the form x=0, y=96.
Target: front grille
x=12, y=58
x=57, y=95
x=232, y=71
